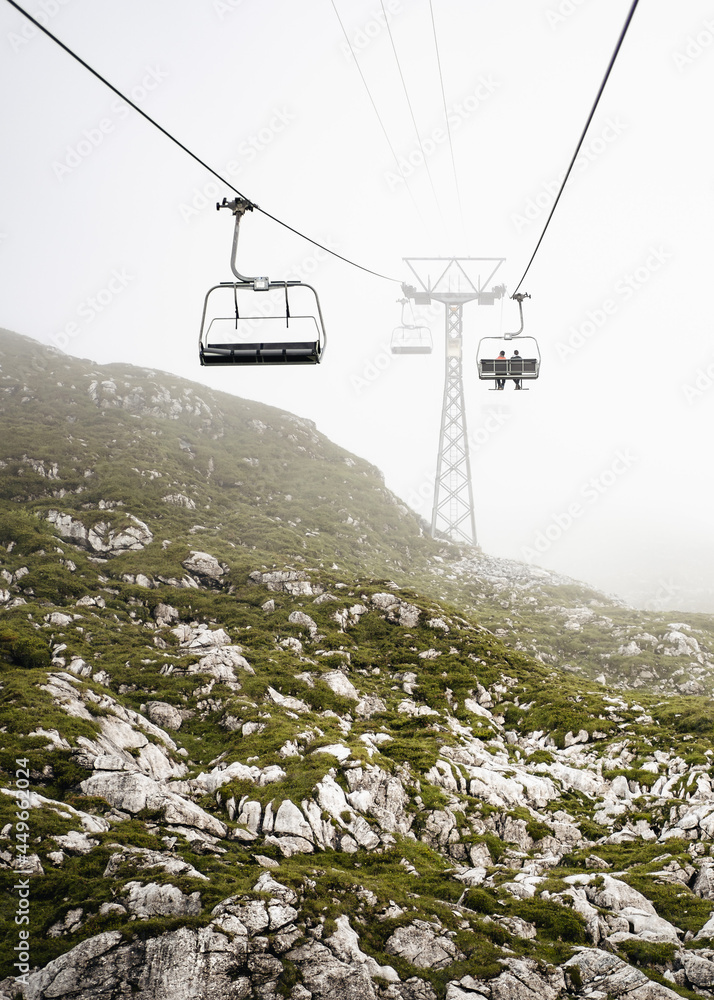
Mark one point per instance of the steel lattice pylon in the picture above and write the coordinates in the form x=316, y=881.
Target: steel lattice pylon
x=453, y=286
x=453, y=511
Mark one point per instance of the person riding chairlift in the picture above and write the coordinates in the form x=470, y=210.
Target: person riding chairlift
x=501, y=382
x=516, y=357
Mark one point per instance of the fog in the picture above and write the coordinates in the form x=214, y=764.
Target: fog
x=109, y=238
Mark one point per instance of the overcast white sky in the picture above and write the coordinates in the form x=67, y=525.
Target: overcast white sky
x=109, y=238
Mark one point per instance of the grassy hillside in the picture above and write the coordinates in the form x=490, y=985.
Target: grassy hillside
x=226, y=649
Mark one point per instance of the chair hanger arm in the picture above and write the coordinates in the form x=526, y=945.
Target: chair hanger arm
x=519, y=297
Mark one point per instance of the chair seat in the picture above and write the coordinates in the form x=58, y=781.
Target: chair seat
x=306, y=352
x=490, y=368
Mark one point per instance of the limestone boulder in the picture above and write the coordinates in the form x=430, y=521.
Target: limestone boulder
x=201, y=638
x=164, y=715
x=603, y=974
x=524, y=980
x=287, y=581
x=324, y=975
x=397, y=610
x=341, y=685
x=222, y=774
x=305, y=621
x=344, y=943
x=154, y=900
x=222, y=663
x=499, y=789
x=704, y=882
x=143, y=858
x=381, y=795
x=369, y=705
x=75, y=842
x=165, y=614
x=423, y=945
x=102, y=537
x=289, y=820
x=205, y=566
x=134, y=792
x=287, y=701
x=181, y=965
x=698, y=969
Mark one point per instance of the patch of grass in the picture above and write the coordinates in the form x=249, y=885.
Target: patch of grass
x=644, y=953
x=558, y=923
x=481, y=901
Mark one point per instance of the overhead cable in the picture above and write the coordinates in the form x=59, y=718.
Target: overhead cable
x=379, y=117
x=582, y=137
x=186, y=150
x=446, y=116
x=411, y=109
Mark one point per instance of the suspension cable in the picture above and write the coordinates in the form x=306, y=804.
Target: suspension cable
x=446, y=118
x=379, y=117
x=582, y=137
x=186, y=150
x=411, y=109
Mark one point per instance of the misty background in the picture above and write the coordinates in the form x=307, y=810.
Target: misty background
x=109, y=238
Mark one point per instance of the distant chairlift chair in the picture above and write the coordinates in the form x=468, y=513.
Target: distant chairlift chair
x=232, y=317
x=408, y=338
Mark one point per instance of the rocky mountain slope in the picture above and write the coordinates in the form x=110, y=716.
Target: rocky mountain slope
x=262, y=737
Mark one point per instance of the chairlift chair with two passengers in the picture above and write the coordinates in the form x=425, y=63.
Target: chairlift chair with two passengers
x=256, y=321
x=526, y=366
x=408, y=338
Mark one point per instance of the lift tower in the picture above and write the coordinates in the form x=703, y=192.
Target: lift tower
x=457, y=283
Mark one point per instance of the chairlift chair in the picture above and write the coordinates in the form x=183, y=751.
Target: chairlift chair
x=524, y=367
x=408, y=338
x=255, y=321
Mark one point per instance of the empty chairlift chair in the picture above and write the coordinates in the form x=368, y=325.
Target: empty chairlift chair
x=255, y=321
x=411, y=340
x=242, y=325
x=408, y=338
